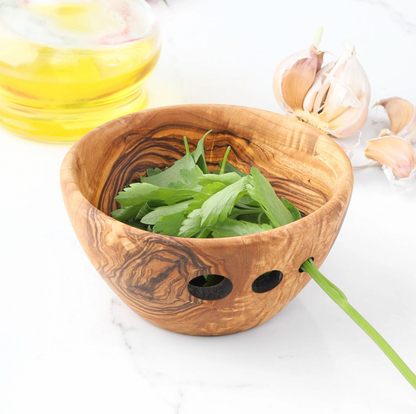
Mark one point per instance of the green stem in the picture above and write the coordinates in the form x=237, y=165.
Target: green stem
x=224, y=160
x=185, y=141
x=204, y=234
x=341, y=300
x=318, y=37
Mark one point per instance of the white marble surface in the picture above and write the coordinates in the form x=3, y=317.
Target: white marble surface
x=69, y=345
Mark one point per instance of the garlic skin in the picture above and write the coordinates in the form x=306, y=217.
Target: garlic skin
x=336, y=102
x=398, y=159
x=349, y=150
x=402, y=115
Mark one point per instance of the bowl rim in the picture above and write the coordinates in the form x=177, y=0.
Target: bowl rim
x=337, y=200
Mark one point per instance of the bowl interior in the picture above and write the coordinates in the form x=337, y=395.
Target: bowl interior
x=302, y=164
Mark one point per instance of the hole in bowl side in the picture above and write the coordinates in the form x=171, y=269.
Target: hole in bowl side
x=267, y=281
x=201, y=288
x=300, y=269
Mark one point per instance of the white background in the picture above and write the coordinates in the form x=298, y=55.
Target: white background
x=69, y=345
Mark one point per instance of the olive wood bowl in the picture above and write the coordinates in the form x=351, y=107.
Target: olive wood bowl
x=151, y=272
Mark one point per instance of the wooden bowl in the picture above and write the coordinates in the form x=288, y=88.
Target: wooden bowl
x=151, y=272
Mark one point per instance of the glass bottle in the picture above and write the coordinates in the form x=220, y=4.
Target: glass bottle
x=67, y=67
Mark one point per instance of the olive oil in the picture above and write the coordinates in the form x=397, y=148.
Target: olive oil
x=51, y=92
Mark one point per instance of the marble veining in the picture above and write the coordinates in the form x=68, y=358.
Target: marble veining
x=398, y=12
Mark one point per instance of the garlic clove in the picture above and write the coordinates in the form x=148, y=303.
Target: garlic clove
x=350, y=121
x=297, y=80
x=295, y=75
x=402, y=117
x=346, y=104
x=393, y=152
x=315, y=97
x=401, y=184
x=340, y=98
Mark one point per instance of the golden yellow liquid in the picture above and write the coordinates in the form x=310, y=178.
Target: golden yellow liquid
x=59, y=95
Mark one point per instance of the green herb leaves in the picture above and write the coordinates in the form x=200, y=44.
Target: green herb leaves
x=219, y=206
x=261, y=191
x=186, y=200
x=172, y=174
x=138, y=193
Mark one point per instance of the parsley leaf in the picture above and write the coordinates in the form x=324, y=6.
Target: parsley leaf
x=150, y=172
x=139, y=193
x=211, y=189
x=171, y=174
x=198, y=154
x=227, y=179
x=124, y=214
x=169, y=225
x=218, y=206
x=261, y=191
x=153, y=216
x=189, y=181
x=231, y=227
x=292, y=209
x=191, y=225
x=146, y=208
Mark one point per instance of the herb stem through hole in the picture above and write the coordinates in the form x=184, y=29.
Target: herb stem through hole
x=341, y=300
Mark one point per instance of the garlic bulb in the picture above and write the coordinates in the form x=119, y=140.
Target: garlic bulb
x=398, y=159
x=402, y=117
x=338, y=98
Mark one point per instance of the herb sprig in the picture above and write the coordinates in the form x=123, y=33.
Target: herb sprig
x=186, y=200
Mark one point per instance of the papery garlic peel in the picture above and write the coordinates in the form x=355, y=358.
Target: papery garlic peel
x=349, y=150
x=402, y=117
x=336, y=102
x=393, y=152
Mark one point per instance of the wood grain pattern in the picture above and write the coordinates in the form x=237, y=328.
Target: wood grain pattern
x=150, y=272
